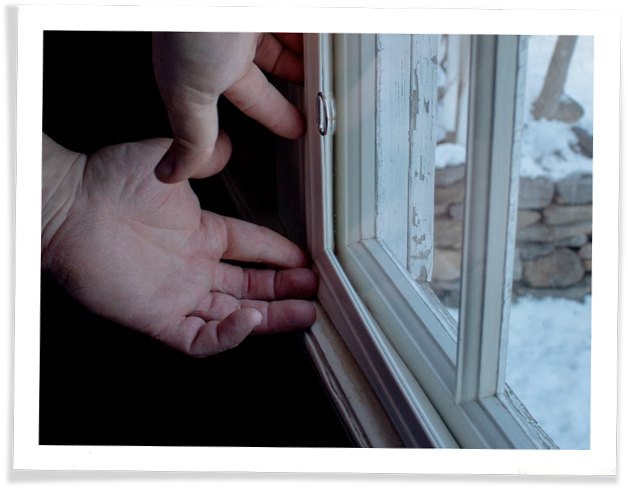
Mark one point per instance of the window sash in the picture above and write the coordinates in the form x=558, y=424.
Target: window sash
x=416, y=420
x=492, y=179
x=381, y=314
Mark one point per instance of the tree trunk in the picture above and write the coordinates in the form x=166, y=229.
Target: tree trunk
x=547, y=104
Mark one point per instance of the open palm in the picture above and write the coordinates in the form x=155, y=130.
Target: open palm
x=143, y=253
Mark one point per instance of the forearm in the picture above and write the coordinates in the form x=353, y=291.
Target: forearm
x=62, y=172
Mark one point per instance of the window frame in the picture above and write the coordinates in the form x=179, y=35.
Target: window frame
x=421, y=397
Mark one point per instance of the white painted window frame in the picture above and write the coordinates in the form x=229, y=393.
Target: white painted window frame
x=380, y=313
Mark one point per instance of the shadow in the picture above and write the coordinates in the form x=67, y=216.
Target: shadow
x=103, y=384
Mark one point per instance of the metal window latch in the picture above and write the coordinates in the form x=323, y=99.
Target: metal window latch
x=325, y=117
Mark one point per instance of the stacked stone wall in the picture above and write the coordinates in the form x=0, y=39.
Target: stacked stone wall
x=554, y=236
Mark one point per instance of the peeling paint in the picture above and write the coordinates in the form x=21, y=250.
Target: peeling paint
x=414, y=109
x=414, y=100
x=418, y=240
x=420, y=174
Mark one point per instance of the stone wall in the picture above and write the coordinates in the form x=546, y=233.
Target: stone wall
x=554, y=226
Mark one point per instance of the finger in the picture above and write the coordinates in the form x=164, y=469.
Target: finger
x=252, y=243
x=293, y=41
x=187, y=158
x=275, y=56
x=255, y=96
x=259, y=284
x=277, y=315
x=199, y=338
x=282, y=316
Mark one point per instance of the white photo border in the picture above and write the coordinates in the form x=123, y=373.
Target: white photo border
x=600, y=459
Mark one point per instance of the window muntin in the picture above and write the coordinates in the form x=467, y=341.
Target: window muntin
x=549, y=329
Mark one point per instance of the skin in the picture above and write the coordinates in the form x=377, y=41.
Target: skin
x=142, y=253
x=194, y=69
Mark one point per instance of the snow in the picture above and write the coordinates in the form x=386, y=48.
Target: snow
x=549, y=365
x=546, y=151
x=546, y=145
x=549, y=343
x=449, y=154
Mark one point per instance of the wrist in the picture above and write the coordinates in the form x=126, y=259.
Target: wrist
x=62, y=173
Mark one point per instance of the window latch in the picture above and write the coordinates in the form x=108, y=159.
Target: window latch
x=324, y=114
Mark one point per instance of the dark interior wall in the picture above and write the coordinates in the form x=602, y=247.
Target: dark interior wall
x=102, y=384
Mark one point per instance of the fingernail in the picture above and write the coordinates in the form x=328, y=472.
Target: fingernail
x=165, y=168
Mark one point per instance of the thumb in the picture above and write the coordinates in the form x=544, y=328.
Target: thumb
x=213, y=338
x=185, y=160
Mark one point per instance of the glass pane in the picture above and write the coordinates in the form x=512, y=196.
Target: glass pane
x=449, y=178
x=548, y=355
x=421, y=129
x=548, y=359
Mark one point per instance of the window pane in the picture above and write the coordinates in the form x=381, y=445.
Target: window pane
x=449, y=193
x=548, y=360
x=401, y=163
x=548, y=353
x=419, y=174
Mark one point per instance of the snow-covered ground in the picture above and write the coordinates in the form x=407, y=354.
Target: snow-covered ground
x=549, y=344
x=549, y=352
x=549, y=365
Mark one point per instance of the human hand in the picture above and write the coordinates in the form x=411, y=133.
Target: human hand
x=192, y=71
x=142, y=253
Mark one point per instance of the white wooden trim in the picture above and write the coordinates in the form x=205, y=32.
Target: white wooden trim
x=405, y=146
x=417, y=423
x=416, y=420
x=354, y=77
x=487, y=223
x=412, y=323
x=393, y=87
x=403, y=314
x=422, y=148
x=318, y=150
x=364, y=418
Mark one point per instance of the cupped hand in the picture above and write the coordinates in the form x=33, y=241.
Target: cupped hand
x=142, y=253
x=194, y=69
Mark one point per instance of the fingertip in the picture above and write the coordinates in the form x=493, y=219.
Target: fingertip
x=290, y=315
x=300, y=283
x=296, y=256
x=165, y=168
x=306, y=315
x=174, y=167
x=299, y=259
x=237, y=326
x=297, y=130
x=254, y=316
x=312, y=315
